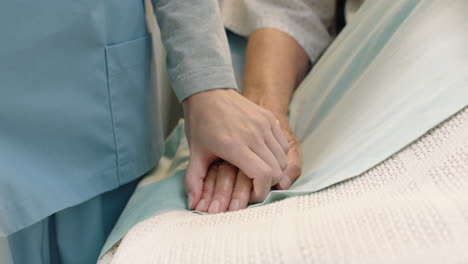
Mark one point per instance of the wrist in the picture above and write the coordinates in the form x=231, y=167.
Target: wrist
x=277, y=104
x=206, y=96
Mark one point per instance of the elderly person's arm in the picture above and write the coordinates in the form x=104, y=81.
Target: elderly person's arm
x=275, y=65
x=283, y=38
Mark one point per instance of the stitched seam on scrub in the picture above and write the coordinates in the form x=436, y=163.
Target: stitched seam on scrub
x=112, y=117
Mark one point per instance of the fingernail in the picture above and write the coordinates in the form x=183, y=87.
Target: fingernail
x=285, y=182
x=190, y=199
x=234, y=206
x=214, y=207
x=202, y=205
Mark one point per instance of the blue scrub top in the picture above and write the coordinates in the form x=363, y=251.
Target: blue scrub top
x=75, y=116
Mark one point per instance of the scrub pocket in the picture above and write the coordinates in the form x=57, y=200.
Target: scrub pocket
x=128, y=73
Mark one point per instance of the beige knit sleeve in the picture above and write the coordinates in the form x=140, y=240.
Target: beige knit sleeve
x=306, y=21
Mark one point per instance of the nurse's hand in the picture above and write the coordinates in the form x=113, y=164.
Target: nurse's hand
x=222, y=124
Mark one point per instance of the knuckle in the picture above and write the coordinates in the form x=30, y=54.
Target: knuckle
x=270, y=116
x=206, y=189
x=254, y=136
x=231, y=144
x=296, y=169
x=262, y=122
x=225, y=190
x=283, y=163
x=240, y=195
x=284, y=166
x=266, y=173
x=258, y=139
x=224, y=166
x=267, y=122
x=294, y=144
x=276, y=171
x=252, y=132
x=241, y=191
x=287, y=147
x=226, y=169
x=293, y=141
x=213, y=169
x=221, y=197
x=222, y=192
x=276, y=177
x=205, y=196
x=245, y=192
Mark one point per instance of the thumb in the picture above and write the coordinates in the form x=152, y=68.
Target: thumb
x=196, y=172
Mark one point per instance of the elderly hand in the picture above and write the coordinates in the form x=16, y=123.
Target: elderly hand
x=224, y=188
x=294, y=168
x=222, y=124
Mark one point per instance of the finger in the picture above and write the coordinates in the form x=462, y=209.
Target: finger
x=196, y=172
x=277, y=151
x=225, y=180
x=246, y=160
x=293, y=171
x=261, y=188
x=279, y=136
x=290, y=175
x=241, y=194
x=208, y=187
x=265, y=153
x=254, y=167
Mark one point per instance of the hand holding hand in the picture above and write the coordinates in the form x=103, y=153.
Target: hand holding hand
x=228, y=189
x=221, y=123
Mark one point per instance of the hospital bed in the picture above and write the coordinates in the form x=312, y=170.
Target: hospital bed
x=383, y=122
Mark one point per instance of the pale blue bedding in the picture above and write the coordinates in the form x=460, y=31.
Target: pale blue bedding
x=399, y=69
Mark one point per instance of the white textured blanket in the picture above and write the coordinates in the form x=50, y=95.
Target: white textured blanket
x=412, y=208
x=382, y=84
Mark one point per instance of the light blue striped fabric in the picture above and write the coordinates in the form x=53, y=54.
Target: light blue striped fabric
x=399, y=69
